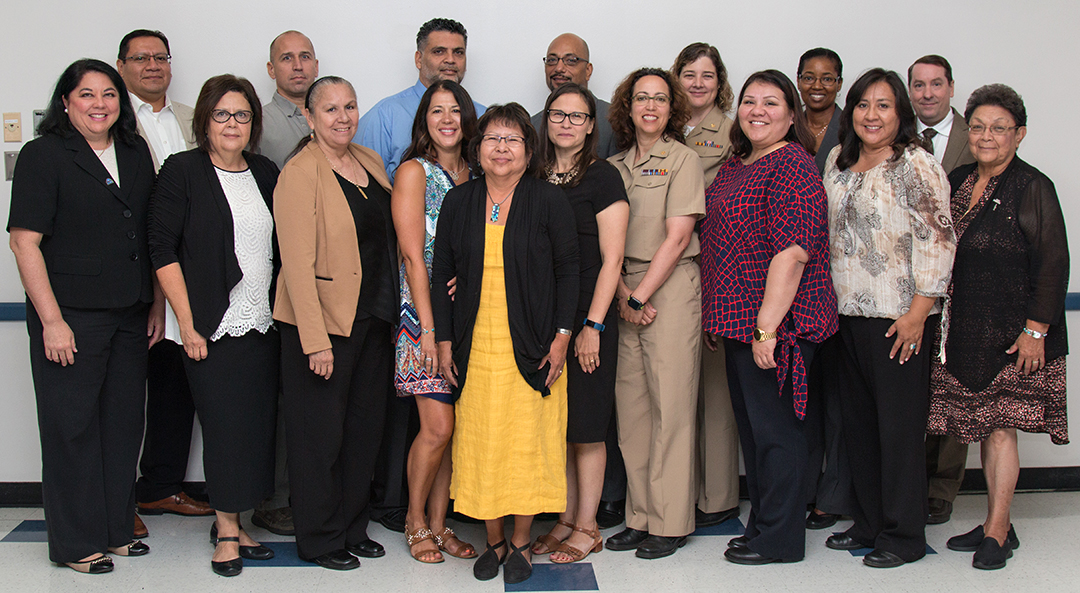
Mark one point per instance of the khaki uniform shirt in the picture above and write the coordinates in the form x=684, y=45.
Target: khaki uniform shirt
x=711, y=140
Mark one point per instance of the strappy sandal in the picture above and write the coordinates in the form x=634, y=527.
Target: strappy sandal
x=518, y=568
x=576, y=554
x=464, y=550
x=549, y=542
x=99, y=565
x=421, y=535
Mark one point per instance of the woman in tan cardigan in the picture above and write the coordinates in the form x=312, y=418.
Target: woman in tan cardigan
x=337, y=304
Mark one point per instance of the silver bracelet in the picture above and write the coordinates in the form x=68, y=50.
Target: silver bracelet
x=1035, y=334
x=564, y=331
x=426, y=331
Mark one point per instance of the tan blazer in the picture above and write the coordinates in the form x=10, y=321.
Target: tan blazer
x=319, y=283
x=956, y=151
x=184, y=116
x=711, y=139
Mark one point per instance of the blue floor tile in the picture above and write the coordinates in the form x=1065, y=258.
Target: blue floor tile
x=729, y=527
x=28, y=531
x=578, y=576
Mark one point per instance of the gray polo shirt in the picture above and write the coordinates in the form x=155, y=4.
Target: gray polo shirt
x=283, y=126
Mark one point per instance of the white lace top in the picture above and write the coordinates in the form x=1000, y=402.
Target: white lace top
x=253, y=228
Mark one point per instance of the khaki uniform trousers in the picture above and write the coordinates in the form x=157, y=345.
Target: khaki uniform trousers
x=656, y=402
x=718, y=436
x=946, y=459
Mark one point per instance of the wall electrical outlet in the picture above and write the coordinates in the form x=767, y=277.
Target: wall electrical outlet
x=12, y=127
x=9, y=164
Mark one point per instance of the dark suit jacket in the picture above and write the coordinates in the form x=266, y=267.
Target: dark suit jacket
x=94, y=230
x=956, y=151
x=191, y=223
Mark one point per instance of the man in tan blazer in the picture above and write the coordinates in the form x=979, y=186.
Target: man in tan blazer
x=145, y=65
x=930, y=84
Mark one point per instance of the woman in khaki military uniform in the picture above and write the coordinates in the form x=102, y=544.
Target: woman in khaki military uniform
x=659, y=301
x=703, y=76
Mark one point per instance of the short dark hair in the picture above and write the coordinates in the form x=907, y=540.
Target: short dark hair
x=212, y=91
x=798, y=132
x=56, y=120
x=933, y=60
x=821, y=52
x=588, y=151
x=510, y=115
x=421, y=145
x=906, y=133
x=125, y=43
x=439, y=24
x=693, y=52
x=622, y=124
x=1000, y=95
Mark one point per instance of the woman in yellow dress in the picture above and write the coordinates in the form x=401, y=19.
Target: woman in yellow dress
x=511, y=242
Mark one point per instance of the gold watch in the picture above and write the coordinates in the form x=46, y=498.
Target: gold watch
x=763, y=336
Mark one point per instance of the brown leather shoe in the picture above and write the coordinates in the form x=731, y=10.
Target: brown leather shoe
x=178, y=504
x=140, y=529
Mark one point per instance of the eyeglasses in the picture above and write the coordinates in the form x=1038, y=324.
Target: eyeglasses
x=809, y=79
x=141, y=59
x=978, y=129
x=221, y=116
x=577, y=118
x=570, y=60
x=512, y=141
x=659, y=99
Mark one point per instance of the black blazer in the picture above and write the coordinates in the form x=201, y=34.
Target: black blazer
x=94, y=243
x=540, y=254
x=191, y=223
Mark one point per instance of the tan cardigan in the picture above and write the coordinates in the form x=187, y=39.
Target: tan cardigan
x=319, y=283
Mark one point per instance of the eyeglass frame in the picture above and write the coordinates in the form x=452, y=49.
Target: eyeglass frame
x=511, y=140
x=810, y=79
x=564, y=59
x=214, y=116
x=553, y=113
x=659, y=98
x=1004, y=130
x=147, y=58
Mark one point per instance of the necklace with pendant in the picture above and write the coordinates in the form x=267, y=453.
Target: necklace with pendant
x=495, y=205
x=454, y=174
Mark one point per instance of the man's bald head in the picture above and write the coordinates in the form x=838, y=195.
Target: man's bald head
x=567, y=47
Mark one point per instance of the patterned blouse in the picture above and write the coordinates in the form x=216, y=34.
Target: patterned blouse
x=891, y=234
x=754, y=212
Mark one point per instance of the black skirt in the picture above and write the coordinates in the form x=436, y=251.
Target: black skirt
x=590, y=398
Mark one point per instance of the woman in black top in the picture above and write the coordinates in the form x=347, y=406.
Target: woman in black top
x=596, y=193
x=78, y=230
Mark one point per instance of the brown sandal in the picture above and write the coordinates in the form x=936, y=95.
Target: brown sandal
x=421, y=535
x=576, y=554
x=548, y=541
x=464, y=549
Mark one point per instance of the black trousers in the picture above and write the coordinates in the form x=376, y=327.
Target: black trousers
x=333, y=430
x=235, y=389
x=90, y=419
x=828, y=489
x=774, y=453
x=390, y=484
x=884, y=407
x=170, y=417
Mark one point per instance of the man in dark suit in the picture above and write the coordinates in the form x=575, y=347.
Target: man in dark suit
x=144, y=63
x=930, y=85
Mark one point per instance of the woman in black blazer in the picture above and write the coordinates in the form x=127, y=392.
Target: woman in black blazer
x=213, y=249
x=77, y=226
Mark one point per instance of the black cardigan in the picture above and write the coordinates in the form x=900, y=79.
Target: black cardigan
x=191, y=223
x=540, y=251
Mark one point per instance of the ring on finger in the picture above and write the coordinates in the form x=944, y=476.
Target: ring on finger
x=911, y=347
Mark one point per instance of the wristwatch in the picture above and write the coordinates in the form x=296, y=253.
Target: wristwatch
x=1035, y=334
x=597, y=326
x=763, y=336
x=634, y=303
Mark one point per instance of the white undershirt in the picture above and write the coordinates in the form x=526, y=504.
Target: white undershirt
x=161, y=129
x=941, y=140
x=108, y=158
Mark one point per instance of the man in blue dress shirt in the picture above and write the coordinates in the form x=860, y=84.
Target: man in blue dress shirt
x=440, y=54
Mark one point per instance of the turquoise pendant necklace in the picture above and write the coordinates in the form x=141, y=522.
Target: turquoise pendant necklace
x=495, y=205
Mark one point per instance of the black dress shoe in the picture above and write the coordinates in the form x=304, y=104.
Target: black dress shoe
x=659, y=546
x=367, y=549
x=970, y=541
x=337, y=560
x=738, y=542
x=703, y=519
x=394, y=520
x=132, y=548
x=940, y=512
x=228, y=568
x=256, y=552
x=610, y=514
x=627, y=539
x=821, y=520
x=882, y=559
x=744, y=555
x=486, y=566
x=990, y=555
x=517, y=568
x=842, y=541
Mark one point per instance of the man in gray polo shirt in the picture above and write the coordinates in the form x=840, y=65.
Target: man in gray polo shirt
x=293, y=68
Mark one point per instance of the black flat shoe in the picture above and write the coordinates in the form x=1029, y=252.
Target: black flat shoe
x=990, y=555
x=843, y=541
x=517, y=568
x=228, y=568
x=337, y=560
x=367, y=549
x=659, y=546
x=627, y=539
x=610, y=514
x=744, y=555
x=486, y=566
x=394, y=520
x=703, y=519
x=256, y=552
x=821, y=520
x=940, y=512
x=738, y=542
x=970, y=541
x=100, y=565
x=882, y=559
x=132, y=548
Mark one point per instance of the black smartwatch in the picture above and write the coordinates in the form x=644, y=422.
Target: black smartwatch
x=597, y=326
x=634, y=303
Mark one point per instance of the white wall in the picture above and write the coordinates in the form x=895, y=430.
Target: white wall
x=372, y=44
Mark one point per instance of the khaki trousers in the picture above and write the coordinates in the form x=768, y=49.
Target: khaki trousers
x=718, y=436
x=946, y=459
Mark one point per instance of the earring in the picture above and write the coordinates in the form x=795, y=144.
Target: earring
x=313, y=135
x=65, y=110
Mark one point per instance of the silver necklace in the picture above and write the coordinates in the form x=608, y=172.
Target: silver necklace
x=495, y=205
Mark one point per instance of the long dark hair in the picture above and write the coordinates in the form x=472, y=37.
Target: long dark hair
x=212, y=91
x=510, y=115
x=312, y=96
x=422, y=145
x=850, y=143
x=56, y=119
x=587, y=154
x=622, y=124
x=798, y=132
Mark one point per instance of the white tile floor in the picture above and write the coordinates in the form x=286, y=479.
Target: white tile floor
x=1048, y=561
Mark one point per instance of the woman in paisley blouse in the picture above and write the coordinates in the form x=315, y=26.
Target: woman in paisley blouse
x=435, y=162
x=892, y=245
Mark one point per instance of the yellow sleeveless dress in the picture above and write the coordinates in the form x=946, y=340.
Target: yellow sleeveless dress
x=509, y=449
